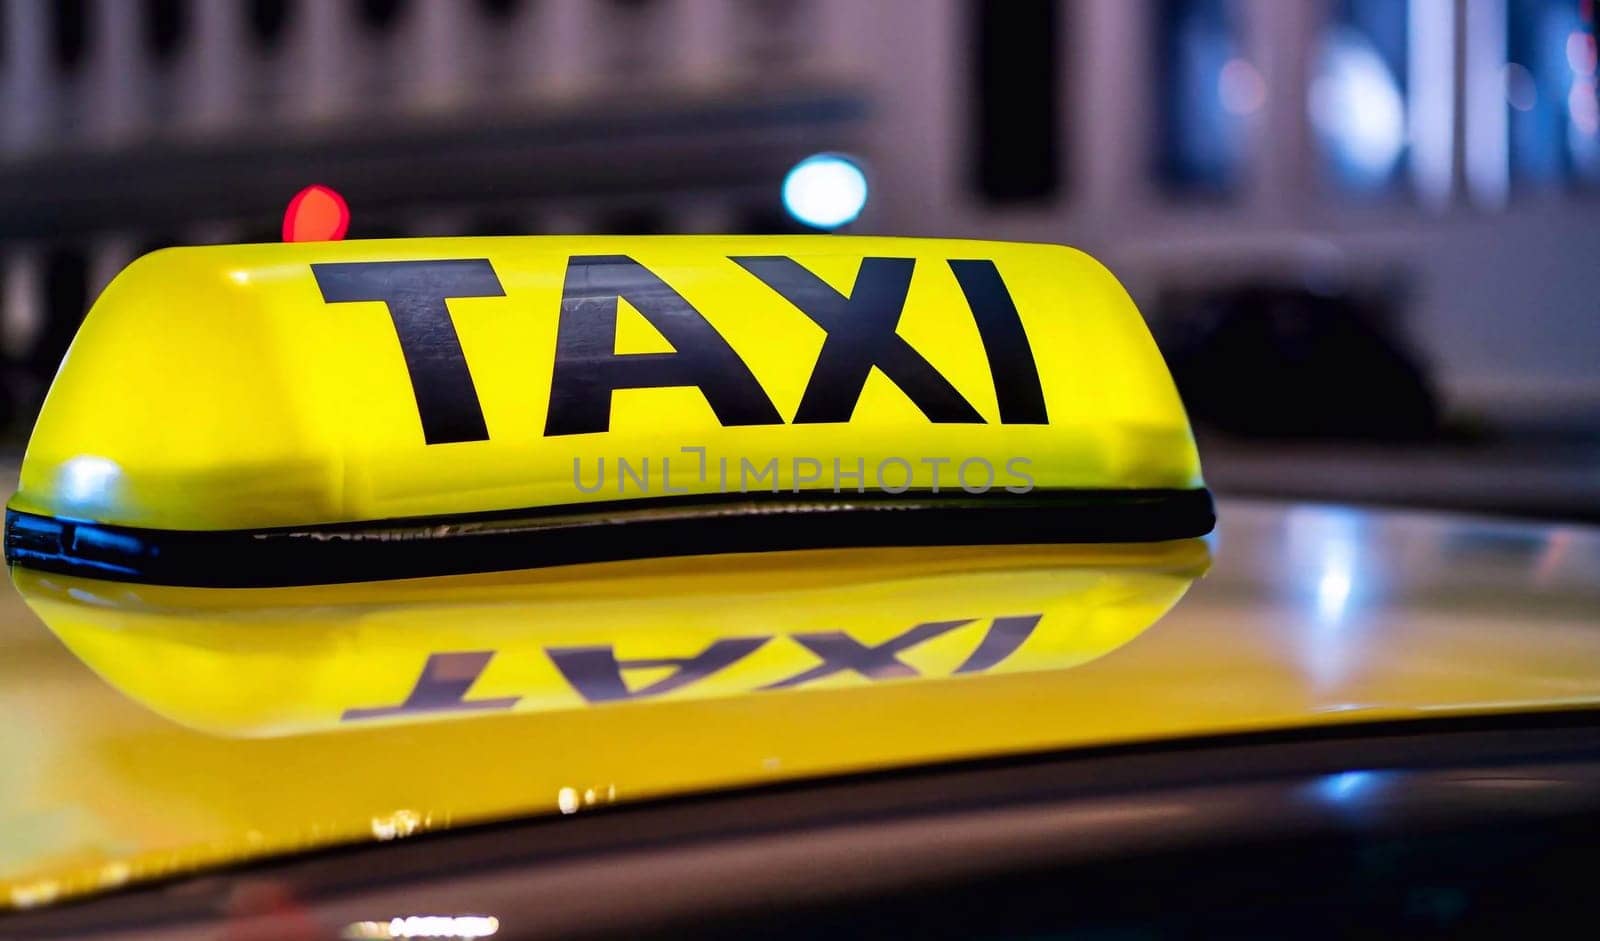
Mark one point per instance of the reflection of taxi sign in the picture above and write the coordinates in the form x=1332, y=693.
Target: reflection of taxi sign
x=314, y=412
x=346, y=657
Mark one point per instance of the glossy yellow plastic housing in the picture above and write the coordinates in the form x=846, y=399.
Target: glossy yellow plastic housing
x=260, y=386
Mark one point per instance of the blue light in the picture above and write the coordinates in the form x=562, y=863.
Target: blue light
x=1326, y=544
x=825, y=191
x=1347, y=786
x=1333, y=588
x=1357, y=107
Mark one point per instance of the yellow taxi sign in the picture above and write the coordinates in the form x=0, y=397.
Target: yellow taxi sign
x=272, y=414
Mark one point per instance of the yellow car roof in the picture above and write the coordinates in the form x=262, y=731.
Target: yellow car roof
x=159, y=731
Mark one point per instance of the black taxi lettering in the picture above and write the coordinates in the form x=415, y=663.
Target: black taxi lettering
x=443, y=687
x=860, y=335
x=415, y=293
x=840, y=652
x=588, y=368
x=1004, y=637
x=1016, y=375
x=598, y=675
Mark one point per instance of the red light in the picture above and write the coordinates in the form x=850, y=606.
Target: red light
x=316, y=214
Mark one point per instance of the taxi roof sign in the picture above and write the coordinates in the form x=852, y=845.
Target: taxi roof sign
x=334, y=411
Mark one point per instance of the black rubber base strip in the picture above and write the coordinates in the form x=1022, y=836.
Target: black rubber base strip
x=597, y=532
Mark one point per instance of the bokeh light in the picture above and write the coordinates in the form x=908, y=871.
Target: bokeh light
x=825, y=191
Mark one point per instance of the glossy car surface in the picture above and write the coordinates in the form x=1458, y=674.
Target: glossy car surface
x=1309, y=617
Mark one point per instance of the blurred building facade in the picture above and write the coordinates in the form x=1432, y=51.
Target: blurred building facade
x=1442, y=151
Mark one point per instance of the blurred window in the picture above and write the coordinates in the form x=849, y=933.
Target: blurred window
x=1550, y=91
x=379, y=16
x=1015, y=97
x=165, y=22
x=633, y=30
x=268, y=20
x=1205, y=91
x=1357, y=96
x=66, y=299
x=772, y=32
x=499, y=9
x=69, y=33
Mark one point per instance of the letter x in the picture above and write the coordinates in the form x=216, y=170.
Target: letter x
x=861, y=335
x=839, y=652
